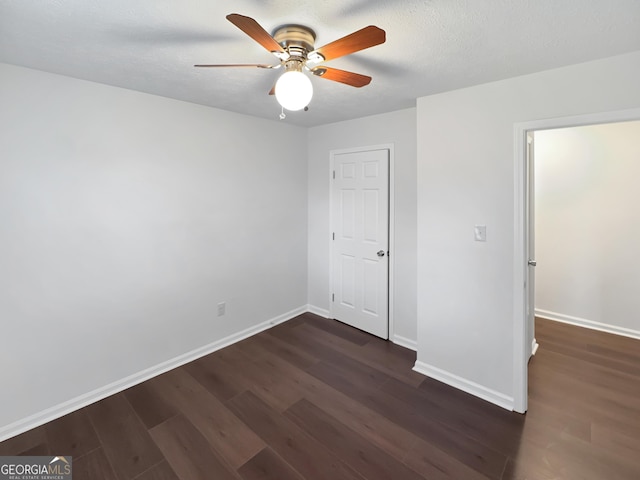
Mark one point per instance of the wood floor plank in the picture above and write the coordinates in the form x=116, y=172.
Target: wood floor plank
x=628, y=405
x=366, y=422
x=590, y=346
x=231, y=438
x=378, y=429
x=611, y=439
x=296, y=447
x=338, y=329
x=38, y=450
x=370, y=461
x=294, y=322
x=377, y=354
x=589, y=358
x=581, y=401
x=73, y=435
x=492, y=425
x=553, y=421
x=469, y=451
x=562, y=455
x=287, y=352
x=628, y=357
x=526, y=469
x=216, y=376
x=457, y=400
x=149, y=403
x=435, y=464
x=496, y=431
x=189, y=454
x=93, y=466
x=161, y=471
x=123, y=437
x=394, y=360
x=24, y=442
x=265, y=380
x=302, y=337
x=599, y=375
x=268, y=465
x=572, y=335
x=327, y=350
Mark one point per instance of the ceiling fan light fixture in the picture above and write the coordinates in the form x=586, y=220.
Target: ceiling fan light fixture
x=294, y=90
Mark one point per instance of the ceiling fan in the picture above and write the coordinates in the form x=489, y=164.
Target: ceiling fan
x=293, y=46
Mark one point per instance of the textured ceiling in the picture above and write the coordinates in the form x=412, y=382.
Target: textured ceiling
x=432, y=46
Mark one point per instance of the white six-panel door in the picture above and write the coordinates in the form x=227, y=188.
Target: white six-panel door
x=360, y=233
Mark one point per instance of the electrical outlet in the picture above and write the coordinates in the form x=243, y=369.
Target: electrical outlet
x=222, y=308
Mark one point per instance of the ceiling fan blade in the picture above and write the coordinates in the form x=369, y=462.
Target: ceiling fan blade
x=364, y=38
x=252, y=28
x=273, y=90
x=249, y=65
x=342, y=76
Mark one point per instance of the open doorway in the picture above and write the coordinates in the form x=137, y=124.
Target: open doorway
x=524, y=256
x=588, y=225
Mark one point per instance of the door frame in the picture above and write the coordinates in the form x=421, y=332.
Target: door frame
x=530, y=214
x=391, y=256
x=521, y=185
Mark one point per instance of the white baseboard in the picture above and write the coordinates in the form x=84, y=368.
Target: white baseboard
x=534, y=347
x=88, y=398
x=465, y=385
x=318, y=311
x=581, y=322
x=405, y=342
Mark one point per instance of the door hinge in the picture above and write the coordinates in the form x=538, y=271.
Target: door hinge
x=334, y=174
x=333, y=235
x=333, y=297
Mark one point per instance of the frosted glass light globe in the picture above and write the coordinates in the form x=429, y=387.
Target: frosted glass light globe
x=294, y=90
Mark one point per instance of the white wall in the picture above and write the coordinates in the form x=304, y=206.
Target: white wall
x=588, y=225
x=466, y=177
x=124, y=219
x=398, y=128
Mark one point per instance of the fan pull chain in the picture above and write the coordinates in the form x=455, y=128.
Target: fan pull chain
x=283, y=115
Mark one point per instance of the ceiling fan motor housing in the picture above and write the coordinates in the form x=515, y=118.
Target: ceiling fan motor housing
x=298, y=40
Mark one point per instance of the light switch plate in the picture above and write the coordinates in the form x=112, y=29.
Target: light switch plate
x=480, y=233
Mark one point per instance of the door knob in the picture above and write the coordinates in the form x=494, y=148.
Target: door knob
x=532, y=263
x=381, y=253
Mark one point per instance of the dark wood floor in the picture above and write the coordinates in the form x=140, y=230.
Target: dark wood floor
x=315, y=399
